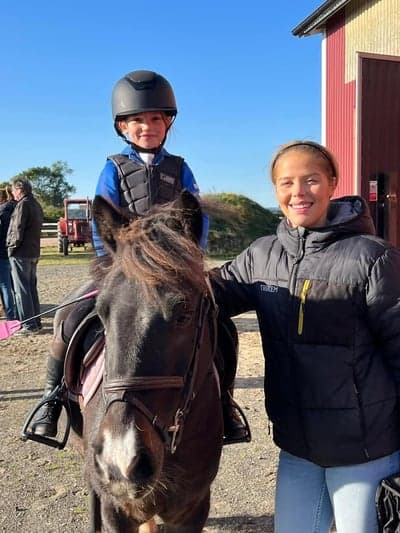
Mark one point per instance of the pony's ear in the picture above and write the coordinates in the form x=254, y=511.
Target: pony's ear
x=192, y=214
x=108, y=221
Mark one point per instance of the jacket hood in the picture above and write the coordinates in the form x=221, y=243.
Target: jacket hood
x=347, y=216
x=351, y=212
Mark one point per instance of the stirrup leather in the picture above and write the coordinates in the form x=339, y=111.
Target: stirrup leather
x=55, y=396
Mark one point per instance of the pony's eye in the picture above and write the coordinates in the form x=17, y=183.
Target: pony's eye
x=182, y=314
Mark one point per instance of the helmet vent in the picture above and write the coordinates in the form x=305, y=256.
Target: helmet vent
x=141, y=85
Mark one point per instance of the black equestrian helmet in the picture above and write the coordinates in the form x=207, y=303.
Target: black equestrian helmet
x=140, y=91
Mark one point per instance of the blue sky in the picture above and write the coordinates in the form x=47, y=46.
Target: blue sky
x=243, y=84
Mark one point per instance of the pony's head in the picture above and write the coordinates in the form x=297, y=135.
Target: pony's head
x=154, y=303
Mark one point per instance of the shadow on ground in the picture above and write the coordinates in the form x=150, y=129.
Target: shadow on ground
x=244, y=523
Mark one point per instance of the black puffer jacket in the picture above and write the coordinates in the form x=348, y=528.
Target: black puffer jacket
x=328, y=304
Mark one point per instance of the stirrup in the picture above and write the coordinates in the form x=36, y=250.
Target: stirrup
x=54, y=396
x=247, y=436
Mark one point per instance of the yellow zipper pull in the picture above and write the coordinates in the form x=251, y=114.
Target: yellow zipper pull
x=306, y=286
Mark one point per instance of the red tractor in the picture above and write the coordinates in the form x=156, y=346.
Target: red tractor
x=74, y=228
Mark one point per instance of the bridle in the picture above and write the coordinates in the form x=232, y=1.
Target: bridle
x=121, y=389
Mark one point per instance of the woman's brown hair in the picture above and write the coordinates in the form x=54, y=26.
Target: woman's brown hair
x=327, y=158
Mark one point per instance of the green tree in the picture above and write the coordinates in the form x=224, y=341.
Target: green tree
x=50, y=184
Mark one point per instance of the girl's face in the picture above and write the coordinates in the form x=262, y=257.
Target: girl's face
x=303, y=188
x=146, y=130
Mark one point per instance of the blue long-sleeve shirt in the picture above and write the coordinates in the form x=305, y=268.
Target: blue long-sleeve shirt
x=108, y=187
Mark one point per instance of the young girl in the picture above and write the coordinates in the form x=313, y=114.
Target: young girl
x=327, y=296
x=144, y=174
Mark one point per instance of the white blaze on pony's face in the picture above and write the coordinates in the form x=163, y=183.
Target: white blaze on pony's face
x=117, y=453
x=127, y=454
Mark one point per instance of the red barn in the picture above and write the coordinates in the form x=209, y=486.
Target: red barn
x=361, y=100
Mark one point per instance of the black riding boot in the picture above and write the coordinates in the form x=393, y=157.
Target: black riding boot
x=44, y=422
x=235, y=430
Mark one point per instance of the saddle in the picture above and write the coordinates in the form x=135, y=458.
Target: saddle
x=83, y=373
x=84, y=361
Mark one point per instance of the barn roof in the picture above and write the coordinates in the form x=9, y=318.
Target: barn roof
x=315, y=22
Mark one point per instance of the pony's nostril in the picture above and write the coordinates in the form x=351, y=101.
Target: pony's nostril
x=141, y=468
x=98, y=448
x=114, y=473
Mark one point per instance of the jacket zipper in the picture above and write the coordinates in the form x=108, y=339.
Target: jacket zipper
x=292, y=292
x=293, y=274
x=149, y=174
x=303, y=294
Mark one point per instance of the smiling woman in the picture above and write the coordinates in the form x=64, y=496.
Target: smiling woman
x=332, y=334
x=305, y=177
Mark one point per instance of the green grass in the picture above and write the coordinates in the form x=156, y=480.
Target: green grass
x=51, y=256
x=220, y=257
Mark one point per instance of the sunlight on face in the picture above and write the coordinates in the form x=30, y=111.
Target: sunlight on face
x=303, y=188
x=146, y=130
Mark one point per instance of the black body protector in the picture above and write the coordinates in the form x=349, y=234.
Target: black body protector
x=143, y=186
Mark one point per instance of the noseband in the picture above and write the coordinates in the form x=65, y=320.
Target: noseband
x=118, y=390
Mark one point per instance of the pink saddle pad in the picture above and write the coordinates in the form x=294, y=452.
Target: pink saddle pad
x=91, y=378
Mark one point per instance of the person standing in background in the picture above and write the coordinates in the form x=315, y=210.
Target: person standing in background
x=23, y=243
x=7, y=204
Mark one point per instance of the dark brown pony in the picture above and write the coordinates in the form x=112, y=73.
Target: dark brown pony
x=152, y=435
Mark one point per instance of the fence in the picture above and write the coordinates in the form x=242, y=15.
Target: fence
x=49, y=229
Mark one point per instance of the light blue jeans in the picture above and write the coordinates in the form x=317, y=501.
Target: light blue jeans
x=309, y=498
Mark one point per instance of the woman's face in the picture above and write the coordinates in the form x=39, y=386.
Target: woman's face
x=146, y=130
x=303, y=188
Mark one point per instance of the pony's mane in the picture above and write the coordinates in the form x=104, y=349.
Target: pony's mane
x=156, y=250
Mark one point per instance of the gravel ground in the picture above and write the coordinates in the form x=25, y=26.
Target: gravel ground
x=43, y=490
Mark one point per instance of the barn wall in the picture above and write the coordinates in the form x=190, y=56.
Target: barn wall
x=370, y=26
x=340, y=105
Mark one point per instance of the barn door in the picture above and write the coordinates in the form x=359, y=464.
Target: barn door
x=383, y=202
x=392, y=197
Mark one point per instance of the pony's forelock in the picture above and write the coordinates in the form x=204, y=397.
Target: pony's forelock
x=156, y=250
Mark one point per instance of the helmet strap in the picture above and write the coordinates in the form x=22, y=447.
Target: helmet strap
x=145, y=150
